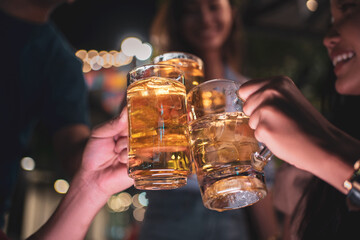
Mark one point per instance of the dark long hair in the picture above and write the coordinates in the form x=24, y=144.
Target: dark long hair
x=325, y=212
x=166, y=35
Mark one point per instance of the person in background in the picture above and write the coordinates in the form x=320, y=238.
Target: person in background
x=211, y=30
x=297, y=133
x=41, y=81
x=103, y=172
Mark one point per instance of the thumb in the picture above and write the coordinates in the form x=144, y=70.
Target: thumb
x=116, y=126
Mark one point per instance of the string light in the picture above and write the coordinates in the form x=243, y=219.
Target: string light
x=119, y=202
x=144, y=52
x=130, y=47
x=94, y=60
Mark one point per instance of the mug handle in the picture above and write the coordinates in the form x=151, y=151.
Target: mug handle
x=261, y=158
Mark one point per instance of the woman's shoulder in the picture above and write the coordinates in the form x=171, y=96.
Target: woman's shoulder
x=235, y=76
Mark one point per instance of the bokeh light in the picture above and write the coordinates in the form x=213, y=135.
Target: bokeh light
x=27, y=163
x=107, y=60
x=144, y=52
x=86, y=67
x=82, y=54
x=120, y=202
x=312, y=5
x=61, y=186
x=143, y=199
x=95, y=60
x=130, y=46
x=139, y=214
x=120, y=59
x=92, y=54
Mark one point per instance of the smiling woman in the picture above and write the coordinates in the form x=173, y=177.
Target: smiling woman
x=343, y=46
x=210, y=29
x=297, y=133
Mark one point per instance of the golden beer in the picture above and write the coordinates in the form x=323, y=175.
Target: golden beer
x=193, y=75
x=222, y=146
x=158, y=133
x=191, y=65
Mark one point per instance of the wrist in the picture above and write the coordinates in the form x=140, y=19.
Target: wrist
x=86, y=184
x=352, y=185
x=333, y=170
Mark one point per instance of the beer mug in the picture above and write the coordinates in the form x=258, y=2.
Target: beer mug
x=158, y=130
x=191, y=65
x=228, y=159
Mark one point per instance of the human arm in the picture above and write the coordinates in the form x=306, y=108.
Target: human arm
x=286, y=122
x=103, y=172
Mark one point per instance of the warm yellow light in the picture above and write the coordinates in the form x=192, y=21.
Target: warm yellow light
x=135, y=201
x=312, y=5
x=218, y=101
x=61, y=186
x=107, y=60
x=195, y=83
x=94, y=60
x=207, y=94
x=207, y=103
x=120, y=202
x=82, y=54
x=114, y=203
x=92, y=53
x=139, y=214
x=125, y=198
x=86, y=67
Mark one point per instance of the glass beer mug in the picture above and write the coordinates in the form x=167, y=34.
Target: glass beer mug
x=158, y=129
x=191, y=65
x=228, y=159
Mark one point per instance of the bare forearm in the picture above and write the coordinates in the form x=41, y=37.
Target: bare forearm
x=334, y=171
x=75, y=213
x=334, y=162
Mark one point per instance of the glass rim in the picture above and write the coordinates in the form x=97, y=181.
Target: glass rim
x=142, y=68
x=150, y=65
x=212, y=81
x=178, y=55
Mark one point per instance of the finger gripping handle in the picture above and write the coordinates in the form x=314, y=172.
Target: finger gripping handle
x=261, y=158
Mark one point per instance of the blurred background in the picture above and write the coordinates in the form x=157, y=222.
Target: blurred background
x=111, y=37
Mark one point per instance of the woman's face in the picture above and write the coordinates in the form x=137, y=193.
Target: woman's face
x=343, y=45
x=206, y=24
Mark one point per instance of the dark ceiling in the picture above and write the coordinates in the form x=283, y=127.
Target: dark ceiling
x=287, y=17
x=102, y=24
